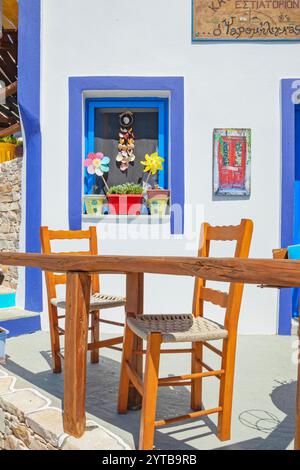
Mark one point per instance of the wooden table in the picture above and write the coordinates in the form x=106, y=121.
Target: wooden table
x=274, y=273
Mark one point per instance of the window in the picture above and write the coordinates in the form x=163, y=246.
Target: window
x=170, y=89
x=150, y=129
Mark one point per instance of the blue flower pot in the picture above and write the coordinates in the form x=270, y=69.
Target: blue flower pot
x=3, y=336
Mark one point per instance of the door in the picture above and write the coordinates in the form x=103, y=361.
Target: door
x=232, y=162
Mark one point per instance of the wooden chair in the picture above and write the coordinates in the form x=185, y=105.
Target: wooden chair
x=98, y=301
x=196, y=329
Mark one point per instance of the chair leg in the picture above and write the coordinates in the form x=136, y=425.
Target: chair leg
x=226, y=390
x=196, y=389
x=124, y=380
x=95, y=336
x=54, y=337
x=147, y=426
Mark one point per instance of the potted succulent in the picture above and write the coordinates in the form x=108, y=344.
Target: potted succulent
x=3, y=336
x=125, y=199
x=158, y=198
x=96, y=164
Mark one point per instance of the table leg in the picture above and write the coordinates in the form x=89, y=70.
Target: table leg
x=76, y=336
x=135, y=306
x=297, y=430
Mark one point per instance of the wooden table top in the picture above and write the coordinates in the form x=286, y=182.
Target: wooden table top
x=271, y=272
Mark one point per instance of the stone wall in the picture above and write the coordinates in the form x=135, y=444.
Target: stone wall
x=10, y=213
x=29, y=422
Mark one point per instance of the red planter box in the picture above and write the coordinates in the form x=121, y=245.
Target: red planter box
x=125, y=204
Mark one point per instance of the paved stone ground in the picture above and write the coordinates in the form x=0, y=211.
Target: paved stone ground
x=264, y=404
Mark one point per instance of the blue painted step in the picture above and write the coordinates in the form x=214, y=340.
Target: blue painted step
x=7, y=300
x=19, y=322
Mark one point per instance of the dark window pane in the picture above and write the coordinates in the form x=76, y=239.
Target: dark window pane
x=107, y=128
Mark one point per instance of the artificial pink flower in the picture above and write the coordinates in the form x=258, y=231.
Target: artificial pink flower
x=97, y=163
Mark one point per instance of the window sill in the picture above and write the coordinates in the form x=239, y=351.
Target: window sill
x=145, y=219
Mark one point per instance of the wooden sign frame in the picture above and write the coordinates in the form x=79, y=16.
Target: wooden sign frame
x=246, y=20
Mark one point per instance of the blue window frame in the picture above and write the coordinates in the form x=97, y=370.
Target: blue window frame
x=174, y=86
x=162, y=106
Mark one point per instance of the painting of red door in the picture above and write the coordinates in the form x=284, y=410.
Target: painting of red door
x=232, y=160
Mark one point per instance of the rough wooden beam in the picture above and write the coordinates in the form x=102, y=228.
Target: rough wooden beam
x=10, y=130
x=11, y=89
x=277, y=273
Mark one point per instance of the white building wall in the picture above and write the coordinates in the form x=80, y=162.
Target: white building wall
x=226, y=85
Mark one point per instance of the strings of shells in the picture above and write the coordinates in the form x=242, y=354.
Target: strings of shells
x=126, y=141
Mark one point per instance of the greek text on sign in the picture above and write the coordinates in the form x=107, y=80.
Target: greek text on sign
x=246, y=20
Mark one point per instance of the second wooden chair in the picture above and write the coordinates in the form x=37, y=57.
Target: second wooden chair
x=98, y=301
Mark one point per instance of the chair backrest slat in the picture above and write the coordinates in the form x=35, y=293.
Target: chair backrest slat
x=216, y=297
x=68, y=234
x=47, y=236
x=226, y=233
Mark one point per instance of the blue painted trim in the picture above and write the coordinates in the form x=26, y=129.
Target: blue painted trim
x=29, y=103
x=22, y=326
x=296, y=225
x=296, y=228
x=175, y=86
x=90, y=139
x=134, y=101
x=287, y=195
x=264, y=41
x=162, y=104
x=163, y=143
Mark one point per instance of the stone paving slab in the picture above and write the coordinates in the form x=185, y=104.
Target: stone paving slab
x=21, y=402
x=47, y=424
x=5, y=384
x=96, y=439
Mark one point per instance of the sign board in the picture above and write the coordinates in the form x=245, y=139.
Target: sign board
x=250, y=20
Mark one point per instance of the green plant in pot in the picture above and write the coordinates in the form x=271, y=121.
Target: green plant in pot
x=125, y=199
x=96, y=164
x=158, y=198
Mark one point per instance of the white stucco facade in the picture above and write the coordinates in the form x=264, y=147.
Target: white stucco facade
x=226, y=85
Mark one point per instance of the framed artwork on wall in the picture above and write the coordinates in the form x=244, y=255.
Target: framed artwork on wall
x=232, y=162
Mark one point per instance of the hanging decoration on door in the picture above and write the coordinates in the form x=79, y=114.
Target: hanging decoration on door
x=126, y=141
x=232, y=162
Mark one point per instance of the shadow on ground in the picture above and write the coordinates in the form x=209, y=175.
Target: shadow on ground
x=102, y=387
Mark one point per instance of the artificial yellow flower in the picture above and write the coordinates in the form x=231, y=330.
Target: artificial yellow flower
x=153, y=163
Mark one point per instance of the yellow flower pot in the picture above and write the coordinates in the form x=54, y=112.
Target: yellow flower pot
x=7, y=152
x=94, y=204
x=158, y=206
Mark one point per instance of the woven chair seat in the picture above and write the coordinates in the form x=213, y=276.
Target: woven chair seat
x=177, y=328
x=97, y=302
